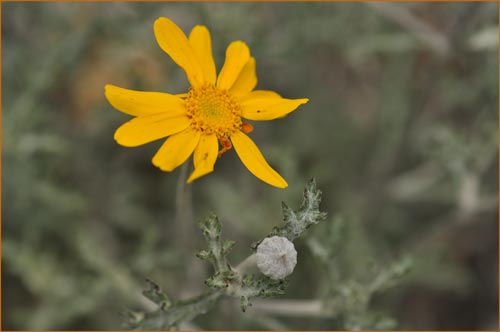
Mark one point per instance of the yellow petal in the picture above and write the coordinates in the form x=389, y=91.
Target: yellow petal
x=253, y=159
x=205, y=156
x=237, y=56
x=200, y=41
x=176, y=150
x=258, y=94
x=246, y=81
x=175, y=43
x=143, y=103
x=269, y=108
x=148, y=128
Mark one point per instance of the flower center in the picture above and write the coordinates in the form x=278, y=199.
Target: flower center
x=212, y=110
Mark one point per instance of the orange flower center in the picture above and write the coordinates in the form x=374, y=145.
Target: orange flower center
x=213, y=110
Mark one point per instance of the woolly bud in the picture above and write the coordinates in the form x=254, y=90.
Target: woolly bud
x=276, y=257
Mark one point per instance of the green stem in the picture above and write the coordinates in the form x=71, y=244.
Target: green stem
x=183, y=207
x=181, y=311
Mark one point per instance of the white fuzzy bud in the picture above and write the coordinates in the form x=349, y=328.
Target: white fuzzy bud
x=276, y=257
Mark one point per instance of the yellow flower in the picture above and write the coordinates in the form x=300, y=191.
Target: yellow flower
x=209, y=114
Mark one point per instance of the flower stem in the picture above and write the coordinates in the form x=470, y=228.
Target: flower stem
x=184, y=227
x=246, y=265
x=183, y=207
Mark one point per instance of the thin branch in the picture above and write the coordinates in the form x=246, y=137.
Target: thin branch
x=246, y=264
x=421, y=29
x=183, y=206
x=293, y=308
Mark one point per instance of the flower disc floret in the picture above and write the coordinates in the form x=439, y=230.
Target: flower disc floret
x=213, y=111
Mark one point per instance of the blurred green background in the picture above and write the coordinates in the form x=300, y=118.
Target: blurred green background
x=400, y=132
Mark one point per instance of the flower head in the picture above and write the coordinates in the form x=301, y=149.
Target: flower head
x=276, y=257
x=211, y=113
